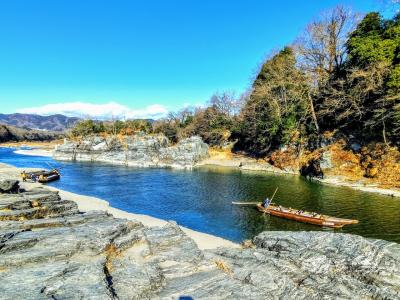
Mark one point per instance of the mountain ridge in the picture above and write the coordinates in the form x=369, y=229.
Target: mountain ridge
x=57, y=122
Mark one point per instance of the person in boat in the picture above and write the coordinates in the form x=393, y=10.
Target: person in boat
x=24, y=175
x=266, y=202
x=41, y=177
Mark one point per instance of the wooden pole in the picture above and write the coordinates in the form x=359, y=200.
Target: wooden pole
x=274, y=194
x=246, y=203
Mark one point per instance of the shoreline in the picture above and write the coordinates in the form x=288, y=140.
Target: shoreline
x=248, y=164
x=35, y=152
x=89, y=203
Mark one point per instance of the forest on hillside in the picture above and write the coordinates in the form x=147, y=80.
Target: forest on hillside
x=341, y=77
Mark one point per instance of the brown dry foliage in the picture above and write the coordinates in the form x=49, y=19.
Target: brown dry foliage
x=387, y=162
x=375, y=164
x=345, y=162
x=285, y=159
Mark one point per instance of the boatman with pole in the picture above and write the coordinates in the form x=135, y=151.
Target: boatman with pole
x=268, y=201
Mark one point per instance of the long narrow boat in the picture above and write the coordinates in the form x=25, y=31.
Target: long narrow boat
x=32, y=175
x=44, y=176
x=51, y=176
x=305, y=216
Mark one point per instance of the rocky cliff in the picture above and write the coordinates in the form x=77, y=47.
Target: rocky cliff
x=138, y=150
x=50, y=250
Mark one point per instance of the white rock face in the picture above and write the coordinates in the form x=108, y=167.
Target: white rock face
x=138, y=150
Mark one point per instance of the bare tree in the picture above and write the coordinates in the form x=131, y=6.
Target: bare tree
x=321, y=50
x=225, y=103
x=322, y=46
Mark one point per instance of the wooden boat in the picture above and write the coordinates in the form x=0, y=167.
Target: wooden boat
x=50, y=176
x=305, y=216
x=33, y=175
x=43, y=176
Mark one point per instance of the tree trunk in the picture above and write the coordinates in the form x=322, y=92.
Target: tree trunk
x=314, y=116
x=384, y=133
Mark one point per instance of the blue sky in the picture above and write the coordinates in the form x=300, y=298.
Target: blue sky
x=136, y=54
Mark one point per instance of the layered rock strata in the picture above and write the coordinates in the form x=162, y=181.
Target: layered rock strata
x=139, y=151
x=50, y=250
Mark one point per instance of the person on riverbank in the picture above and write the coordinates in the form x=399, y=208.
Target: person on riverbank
x=24, y=176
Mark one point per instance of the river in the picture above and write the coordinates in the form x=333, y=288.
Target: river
x=200, y=199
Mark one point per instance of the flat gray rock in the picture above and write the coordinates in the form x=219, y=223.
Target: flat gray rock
x=9, y=186
x=50, y=250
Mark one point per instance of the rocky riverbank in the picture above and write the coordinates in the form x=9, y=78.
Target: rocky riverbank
x=333, y=170
x=194, y=154
x=50, y=249
x=138, y=151
x=88, y=203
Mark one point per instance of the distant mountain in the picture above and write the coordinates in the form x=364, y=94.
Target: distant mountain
x=10, y=133
x=51, y=123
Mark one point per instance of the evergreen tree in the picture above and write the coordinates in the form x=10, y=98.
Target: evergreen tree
x=277, y=107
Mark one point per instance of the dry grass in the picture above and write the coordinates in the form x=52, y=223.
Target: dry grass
x=248, y=244
x=223, y=266
x=218, y=153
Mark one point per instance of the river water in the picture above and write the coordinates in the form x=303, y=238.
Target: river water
x=201, y=199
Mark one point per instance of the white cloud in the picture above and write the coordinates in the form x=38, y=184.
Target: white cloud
x=104, y=111
x=195, y=105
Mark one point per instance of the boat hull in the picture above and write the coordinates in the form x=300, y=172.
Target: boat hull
x=305, y=217
x=44, y=176
x=49, y=178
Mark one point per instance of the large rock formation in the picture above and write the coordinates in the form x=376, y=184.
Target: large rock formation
x=49, y=250
x=139, y=151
